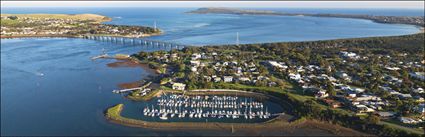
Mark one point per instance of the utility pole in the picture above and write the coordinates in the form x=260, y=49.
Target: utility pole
x=237, y=38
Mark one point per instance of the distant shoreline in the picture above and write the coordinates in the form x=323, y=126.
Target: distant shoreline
x=408, y=20
x=69, y=36
x=98, y=19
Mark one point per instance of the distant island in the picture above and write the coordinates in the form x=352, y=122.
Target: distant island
x=412, y=20
x=67, y=25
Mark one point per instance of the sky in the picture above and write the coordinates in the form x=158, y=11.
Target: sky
x=292, y=4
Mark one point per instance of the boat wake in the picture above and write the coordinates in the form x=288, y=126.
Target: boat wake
x=199, y=25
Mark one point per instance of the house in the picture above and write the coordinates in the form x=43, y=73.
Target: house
x=418, y=99
x=332, y=103
x=419, y=90
x=418, y=75
x=407, y=120
x=207, y=78
x=351, y=94
x=294, y=76
x=349, y=54
x=392, y=68
x=404, y=96
x=358, y=90
x=368, y=97
x=179, y=86
x=386, y=115
x=321, y=94
x=243, y=79
x=195, y=63
x=174, y=56
x=227, y=78
x=194, y=69
x=363, y=109
x=271, y=84
x=196, y=56
x=217, y=79
x=342, y=75
x=277, y=65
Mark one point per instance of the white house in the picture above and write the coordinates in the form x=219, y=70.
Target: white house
x=179, y=86
x=407, y=120
x=227, y=78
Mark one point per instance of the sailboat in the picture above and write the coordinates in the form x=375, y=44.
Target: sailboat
x=164, y=116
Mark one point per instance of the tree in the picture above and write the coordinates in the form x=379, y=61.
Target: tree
x=373, y=119
x=12, y=17
x=92, y=31
x=330, y=88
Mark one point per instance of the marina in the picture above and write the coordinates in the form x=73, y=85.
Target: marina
x=207, y=108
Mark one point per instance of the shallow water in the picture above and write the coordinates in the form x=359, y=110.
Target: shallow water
x=50, y=86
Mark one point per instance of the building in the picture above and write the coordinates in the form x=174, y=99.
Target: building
x=386, y=115
x=321, y=94
x=407, y=120
x=421, y=109
x=179, y=86
x=195, y=63
x=363, y=109
x=227, y=78
x=277, y=65
x=418, y=75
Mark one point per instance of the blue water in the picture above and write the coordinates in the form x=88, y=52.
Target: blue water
x=51, y=87
x=194, y=29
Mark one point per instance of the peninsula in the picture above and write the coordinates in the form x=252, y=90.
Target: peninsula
x=374, y=85
x=67, y=25
x=412, y=20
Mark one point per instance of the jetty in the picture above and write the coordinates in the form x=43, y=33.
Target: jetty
x=126, y=90
x=131, y=89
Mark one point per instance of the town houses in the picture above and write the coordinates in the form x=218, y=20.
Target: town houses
x=357, y=80
x=49, y=26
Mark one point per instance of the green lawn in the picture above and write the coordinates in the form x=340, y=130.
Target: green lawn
x=135, y=97
x=288, y=90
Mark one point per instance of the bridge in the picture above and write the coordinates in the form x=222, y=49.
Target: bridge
x=134, y=41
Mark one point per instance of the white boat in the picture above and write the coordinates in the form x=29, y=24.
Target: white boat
x=164, y=116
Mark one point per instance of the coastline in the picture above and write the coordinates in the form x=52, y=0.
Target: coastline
x=38, y=36
x=98, y=19
x=375, y=18
x=71, y=36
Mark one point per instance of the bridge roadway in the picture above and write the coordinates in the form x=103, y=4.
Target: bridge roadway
x=133, y=41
